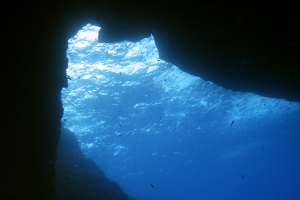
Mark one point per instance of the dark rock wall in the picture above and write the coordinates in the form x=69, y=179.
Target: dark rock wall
x=78, y=177
x=242, y=46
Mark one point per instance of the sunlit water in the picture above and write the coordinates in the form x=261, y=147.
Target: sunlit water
x=144, y=121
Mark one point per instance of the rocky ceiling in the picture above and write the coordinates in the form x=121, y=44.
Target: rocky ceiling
x=243, y=46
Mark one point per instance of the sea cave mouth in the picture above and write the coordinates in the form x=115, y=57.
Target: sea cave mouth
x=146, y=122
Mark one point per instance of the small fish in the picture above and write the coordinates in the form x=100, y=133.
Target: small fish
x=232, y=123
x=243, y=175
x=152, y=185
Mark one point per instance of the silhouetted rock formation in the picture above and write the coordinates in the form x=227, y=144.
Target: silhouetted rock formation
x=244, y=46
x=79, y=177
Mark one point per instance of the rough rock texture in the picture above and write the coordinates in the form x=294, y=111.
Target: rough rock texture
x=241, y=46
x=78, y=177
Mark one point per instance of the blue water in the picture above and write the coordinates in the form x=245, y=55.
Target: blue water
x=144, y=121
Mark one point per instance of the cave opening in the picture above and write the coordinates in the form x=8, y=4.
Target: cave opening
x=150, y=126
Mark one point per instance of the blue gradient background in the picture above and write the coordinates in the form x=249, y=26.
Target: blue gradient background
x=144, y=121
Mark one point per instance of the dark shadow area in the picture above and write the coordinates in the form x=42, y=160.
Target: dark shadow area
x=79, y=177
